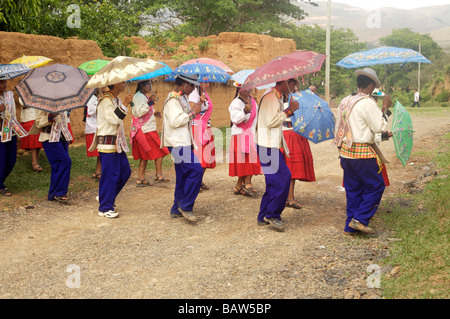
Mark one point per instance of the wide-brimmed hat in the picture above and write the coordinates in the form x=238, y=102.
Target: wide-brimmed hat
x=370, y=73
x=191, y=78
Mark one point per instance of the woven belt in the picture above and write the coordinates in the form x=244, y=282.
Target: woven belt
x=107, y=139
x=287, y=124
x=46, y=129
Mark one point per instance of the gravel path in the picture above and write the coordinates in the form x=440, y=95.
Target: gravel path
x=56, y=251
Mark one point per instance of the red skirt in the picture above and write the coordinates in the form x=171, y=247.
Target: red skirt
x=146, y=146
x=300, y=160
x=89, y=140
x=71, y=133
x=242, y=164
x=205, y=153
x=31, y=141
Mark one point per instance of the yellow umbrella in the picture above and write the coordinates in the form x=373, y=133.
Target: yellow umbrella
x=32, y=61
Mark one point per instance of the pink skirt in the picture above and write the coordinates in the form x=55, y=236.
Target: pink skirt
x=242, y=164
x=146, y=146
x=31, y=141
x=300, y=160
x=205, y=153
x=89, y=140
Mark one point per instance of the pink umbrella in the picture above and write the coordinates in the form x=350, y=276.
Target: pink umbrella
x=218, y=63
x=284, y=68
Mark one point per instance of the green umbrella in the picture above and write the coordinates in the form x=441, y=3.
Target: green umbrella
x=402, y=129
x=92, y=67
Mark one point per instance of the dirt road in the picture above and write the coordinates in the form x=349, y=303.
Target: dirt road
x=55, y=251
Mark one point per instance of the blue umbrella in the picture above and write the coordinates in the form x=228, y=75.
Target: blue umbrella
x=9, y=71
x=384, y=55
x=241, y=76
x=163, y=71
x=313, y=119
x=206, y=72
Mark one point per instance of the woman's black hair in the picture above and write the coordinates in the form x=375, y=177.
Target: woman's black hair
x=237, y=92
x=179, y=81
x=140, y=84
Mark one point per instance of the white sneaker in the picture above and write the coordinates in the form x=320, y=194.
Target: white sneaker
x=108, y=214
x=97, y=198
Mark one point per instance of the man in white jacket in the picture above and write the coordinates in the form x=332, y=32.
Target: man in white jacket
x=360, y=125
x=177, y=137
x=269, y=140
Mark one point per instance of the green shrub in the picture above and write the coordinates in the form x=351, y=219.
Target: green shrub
x=444, y=96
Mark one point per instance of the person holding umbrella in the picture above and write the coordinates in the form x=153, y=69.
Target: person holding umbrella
x=144, y=138
x=359, y=127
x=112, y=146
x=10, y=129
x=177, y=137
x=201, y=129
x=244, y=161
x=55, y=137
x=270, y=140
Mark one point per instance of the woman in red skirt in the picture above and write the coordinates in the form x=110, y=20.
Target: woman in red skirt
x=201, y=130
x=244, y=162
x=30, y=142
x=144, y=139
x=300, y=160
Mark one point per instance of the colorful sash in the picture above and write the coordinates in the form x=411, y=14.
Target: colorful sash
x=248, y=146
x=121, y=141
x=137, y=123
x=60, y=126
x=182, y=99
x=10, y=122
x=203, y=120
x=344, y=129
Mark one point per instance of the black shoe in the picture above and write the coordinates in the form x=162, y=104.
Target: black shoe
x=175, y=215
x=276, y=223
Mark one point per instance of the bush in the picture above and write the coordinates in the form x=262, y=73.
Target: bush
x=444, y=96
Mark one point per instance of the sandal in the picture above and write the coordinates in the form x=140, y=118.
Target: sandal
x=36, y=167
x=97, y=176
x=250, y=189
x=161, y=178
x=5, y=192
x=203, y=187
x=143, y=183
x=61, y=199
x=242, y=189
x=293, y=204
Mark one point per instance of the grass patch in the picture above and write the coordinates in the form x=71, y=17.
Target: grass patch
x=423, y=254
x=34, y=186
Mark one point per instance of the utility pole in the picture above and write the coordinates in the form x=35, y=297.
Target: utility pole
x=327, y=66
x=418, y=75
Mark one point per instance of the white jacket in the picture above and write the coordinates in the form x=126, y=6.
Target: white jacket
x=176, y=127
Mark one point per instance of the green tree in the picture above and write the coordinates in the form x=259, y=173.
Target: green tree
x=109, y=23
x=13, y=11
x=342, y=43
x=404, y=77
x=207, y=17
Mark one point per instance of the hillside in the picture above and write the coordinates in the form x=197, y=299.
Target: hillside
x=369, y=25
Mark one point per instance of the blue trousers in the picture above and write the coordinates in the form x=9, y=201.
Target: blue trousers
x=115, y=173
x=58, y=156
x=278, y=178
x=189, y=175
x=8, y=155
x=364, y=187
